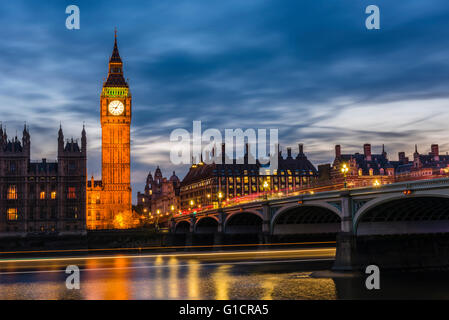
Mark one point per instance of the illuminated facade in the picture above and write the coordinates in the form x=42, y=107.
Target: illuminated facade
x=161, y=197
x=363, y=169
x=203, y=183
x=109, y=200
x=42, y=197
x=423, y=166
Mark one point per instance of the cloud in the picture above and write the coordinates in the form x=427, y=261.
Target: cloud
x=310, y=69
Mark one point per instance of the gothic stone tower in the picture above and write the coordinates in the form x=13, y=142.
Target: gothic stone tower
x=115, y=111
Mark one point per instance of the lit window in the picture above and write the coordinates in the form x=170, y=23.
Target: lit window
x=42, y=195
x=12, y=214
x=12, y=193
x=72, y=193
x=53, y=195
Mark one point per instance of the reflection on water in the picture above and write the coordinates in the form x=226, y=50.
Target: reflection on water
x=172, y=278
x=193, y=280
x=222, y=281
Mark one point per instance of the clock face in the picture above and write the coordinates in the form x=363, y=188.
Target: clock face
x=116, y=107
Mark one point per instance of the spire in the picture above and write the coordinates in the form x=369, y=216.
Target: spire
x=83, y=140
x=115, y=57
x=416, y=148
x=115, y=74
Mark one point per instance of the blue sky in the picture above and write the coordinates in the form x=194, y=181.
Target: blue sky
x=309, y=68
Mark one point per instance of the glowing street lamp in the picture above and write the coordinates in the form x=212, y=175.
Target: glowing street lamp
x=220, y=196
x=344, y=169
x=265, y=187
x=376, y=183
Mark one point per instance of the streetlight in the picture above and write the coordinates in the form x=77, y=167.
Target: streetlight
x=157, y=219
x=265, y=187
x=344, y=169
x=220, y=196
x=376, y=183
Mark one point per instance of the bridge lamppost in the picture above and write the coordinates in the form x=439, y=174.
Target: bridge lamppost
x=172, y=211
x=158, y=213
x=265, y=187
x=220, y=196
x=344, y=169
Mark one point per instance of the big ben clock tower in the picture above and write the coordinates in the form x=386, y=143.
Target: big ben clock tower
x=109, y=200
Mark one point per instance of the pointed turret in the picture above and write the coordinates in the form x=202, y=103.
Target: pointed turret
x=83, y=140
x=115, y=74
x=115, y=57
x=26, y=139
x=60, y=140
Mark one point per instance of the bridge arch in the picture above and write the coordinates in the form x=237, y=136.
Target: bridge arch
x=311, y=218
x=246, y=221
x=400, y=214
x=206, y=225
x=182, y=226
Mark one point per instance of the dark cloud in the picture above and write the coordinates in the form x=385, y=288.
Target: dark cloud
x=308, y=68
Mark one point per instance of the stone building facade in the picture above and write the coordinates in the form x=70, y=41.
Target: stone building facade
x=44, y=197
x=423, y=166
x=364, y=169
x=161, y=196
x=204, y=182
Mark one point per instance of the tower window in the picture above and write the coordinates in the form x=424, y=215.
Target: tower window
x=12, y=193
x=42, y=195
x=72, y=193
x=53, y=195
x=12, y=214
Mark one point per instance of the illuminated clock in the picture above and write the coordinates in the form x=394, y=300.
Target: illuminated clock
x=116, y=107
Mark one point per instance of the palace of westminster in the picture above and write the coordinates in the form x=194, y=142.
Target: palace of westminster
x=57, y=198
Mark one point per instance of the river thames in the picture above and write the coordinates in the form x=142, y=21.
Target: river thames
x=298, y=273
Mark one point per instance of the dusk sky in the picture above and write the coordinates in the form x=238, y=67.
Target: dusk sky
x=309, y=68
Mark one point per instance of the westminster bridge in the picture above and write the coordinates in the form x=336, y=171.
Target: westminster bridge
x=399, y=224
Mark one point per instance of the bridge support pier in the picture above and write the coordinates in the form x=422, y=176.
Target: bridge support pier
x=346, y=241
x=345, y=258
x=266, y=237
x=189, y=239
x=218, y=239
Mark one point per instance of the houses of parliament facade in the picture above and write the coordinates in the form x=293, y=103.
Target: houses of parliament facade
x=56, y=197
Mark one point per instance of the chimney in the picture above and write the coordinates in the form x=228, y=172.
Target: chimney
x=289, y=153
x=337, y=151
x=223, y=155
x=435, y=152
x=300, y=149
x=367, y=151
x=401, y=156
